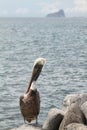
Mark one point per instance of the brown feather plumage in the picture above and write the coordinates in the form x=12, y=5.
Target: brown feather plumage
x=30, y=106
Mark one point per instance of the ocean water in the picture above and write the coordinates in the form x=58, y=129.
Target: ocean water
x=63, y=42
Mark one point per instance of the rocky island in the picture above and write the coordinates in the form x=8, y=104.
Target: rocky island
x=58, y=14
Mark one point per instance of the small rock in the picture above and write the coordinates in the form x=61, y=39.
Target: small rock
x=53, y=120
x=75, y=126
x=73, y=115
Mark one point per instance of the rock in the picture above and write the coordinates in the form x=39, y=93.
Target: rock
x=75, y=126
x=74, y=98
x=28, y=127
x=84, y=110
x=60, y=13
x=53, y=120
x=73, y=115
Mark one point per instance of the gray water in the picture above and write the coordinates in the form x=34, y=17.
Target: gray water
x=63, y=42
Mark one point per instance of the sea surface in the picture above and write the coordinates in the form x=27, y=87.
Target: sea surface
x=63, y=42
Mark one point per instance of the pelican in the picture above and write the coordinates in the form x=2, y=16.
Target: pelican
x=30, y=101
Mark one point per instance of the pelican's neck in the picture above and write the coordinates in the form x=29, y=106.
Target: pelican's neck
x=33, y=86
x=28, y=88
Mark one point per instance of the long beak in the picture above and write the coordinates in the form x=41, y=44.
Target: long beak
x=36, y=71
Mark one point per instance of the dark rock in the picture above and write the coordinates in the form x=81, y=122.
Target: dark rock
x=75, y=126
x=60, y=13
x=84, y=110
x=53, y=120
x=73, y=115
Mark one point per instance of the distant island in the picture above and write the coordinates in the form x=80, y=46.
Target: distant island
x=58, y=14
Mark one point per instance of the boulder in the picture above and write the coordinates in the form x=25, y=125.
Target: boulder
x=84, y=110
x=75, y=126
x=53, y=120
x=74, y=98
x=73, y=115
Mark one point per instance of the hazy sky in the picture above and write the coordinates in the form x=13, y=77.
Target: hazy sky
x=39, y=8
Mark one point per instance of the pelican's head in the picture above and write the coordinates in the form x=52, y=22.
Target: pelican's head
x=39, y=61
x=38, y=65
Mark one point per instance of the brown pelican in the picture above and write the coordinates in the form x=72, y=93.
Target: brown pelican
x=30, y=101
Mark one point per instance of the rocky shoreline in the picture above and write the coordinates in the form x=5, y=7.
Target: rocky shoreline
x=72, y=116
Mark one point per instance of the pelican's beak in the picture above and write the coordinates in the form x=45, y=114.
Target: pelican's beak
x=38, y=65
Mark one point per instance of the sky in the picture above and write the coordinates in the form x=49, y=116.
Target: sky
x=40, y=8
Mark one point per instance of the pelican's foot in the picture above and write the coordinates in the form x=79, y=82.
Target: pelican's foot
x=36, y=120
